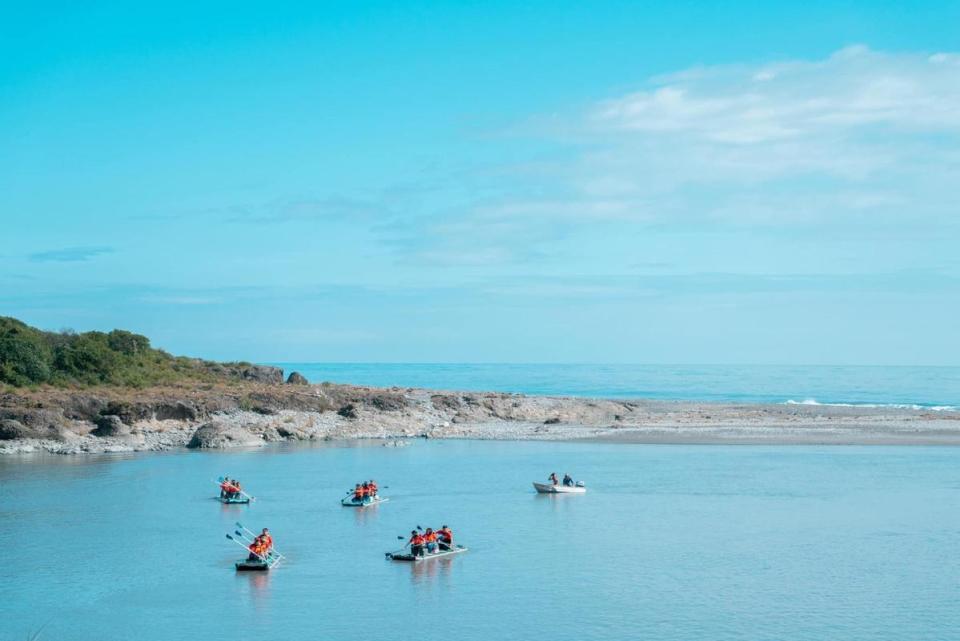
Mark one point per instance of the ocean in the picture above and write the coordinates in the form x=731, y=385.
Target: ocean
x=922, y=387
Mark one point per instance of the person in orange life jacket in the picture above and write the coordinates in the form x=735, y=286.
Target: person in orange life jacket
x=257, y=552
x=224, y=487
x=234, y=490
x=358, y=493
x=445, y=538
x=416, y=543
x=372, y=489
x=430, y=540
x=266, y=540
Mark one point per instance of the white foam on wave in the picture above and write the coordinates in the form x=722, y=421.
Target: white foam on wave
x=896, y=406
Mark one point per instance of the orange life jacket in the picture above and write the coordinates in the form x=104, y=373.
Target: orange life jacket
x=416, y=539
x=445, y=535
x=430, y=537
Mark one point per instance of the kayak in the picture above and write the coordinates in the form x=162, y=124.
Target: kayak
x=547, y=488
x=252, y=566
x=238, y=500
x=400, y=556
x=349, y=501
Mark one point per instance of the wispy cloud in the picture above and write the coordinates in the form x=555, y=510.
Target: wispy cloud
x=69, y=254
x=860, y=138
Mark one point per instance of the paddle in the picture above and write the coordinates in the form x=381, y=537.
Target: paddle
x=254, y=536
x=246, y=547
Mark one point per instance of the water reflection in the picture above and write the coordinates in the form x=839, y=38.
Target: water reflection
x=256, y=588
x=364, y=515
x=426, y=571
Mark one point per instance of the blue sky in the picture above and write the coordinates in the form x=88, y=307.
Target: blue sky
x=675, y=182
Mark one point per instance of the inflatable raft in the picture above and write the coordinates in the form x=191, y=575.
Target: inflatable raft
x=348, y=501
x=406, y=556
x=237, y=500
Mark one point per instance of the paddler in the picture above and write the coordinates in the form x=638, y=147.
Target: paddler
x=266, y=541
x=445, y=538
x=430, y=540
x=224, y=487
x=372, y=489
x=416, y=543
x=358, y=493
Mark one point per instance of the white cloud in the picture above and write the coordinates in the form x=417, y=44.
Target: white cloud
x=855, y=87
x=858, y=132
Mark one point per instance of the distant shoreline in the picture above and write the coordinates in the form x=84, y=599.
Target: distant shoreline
x=252, y=413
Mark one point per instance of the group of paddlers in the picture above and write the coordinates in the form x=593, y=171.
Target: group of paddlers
x=567, y=479
x=364, y=491
x=230, y=488
x=261, y=546
x=430, y=542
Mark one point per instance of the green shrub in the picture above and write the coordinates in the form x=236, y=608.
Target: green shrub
x=29, y=356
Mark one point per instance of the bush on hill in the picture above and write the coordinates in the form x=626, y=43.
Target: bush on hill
x=29, y=356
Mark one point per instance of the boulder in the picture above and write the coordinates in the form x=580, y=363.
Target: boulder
x=220, y=435
x=296, y=378
x=11, y=430
x=551, y=421
x=262, y=374
x=110, y=425
x=83, y=408
x=129, y=413
x=178, y=411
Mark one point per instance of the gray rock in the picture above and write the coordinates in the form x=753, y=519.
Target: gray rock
x=296, y=378
x=22, y=423
x=219, y=435
x=262, y=374
x=178, y=411
x=11, y=429
x=110, y=425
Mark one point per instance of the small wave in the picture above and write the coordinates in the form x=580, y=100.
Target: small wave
x=896, y=406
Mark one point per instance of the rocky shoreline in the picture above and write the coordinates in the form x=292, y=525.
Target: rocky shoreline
x=263, y=409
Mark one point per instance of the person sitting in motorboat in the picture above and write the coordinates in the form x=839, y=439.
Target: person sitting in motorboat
x=416, y=543
x=444, y=538
x=553, y=478
x=430, y=540
x=568, y=480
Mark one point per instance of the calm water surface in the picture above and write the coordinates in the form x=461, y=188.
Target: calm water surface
x=670, y=543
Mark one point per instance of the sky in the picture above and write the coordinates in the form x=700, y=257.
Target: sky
x=541, y=181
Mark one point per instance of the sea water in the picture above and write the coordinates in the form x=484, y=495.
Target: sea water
x=928, y=387
x=669, y=543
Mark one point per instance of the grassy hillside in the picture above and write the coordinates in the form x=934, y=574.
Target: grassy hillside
x=29, y=356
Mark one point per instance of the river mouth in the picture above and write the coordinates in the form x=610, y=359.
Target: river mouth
x=668, y=542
